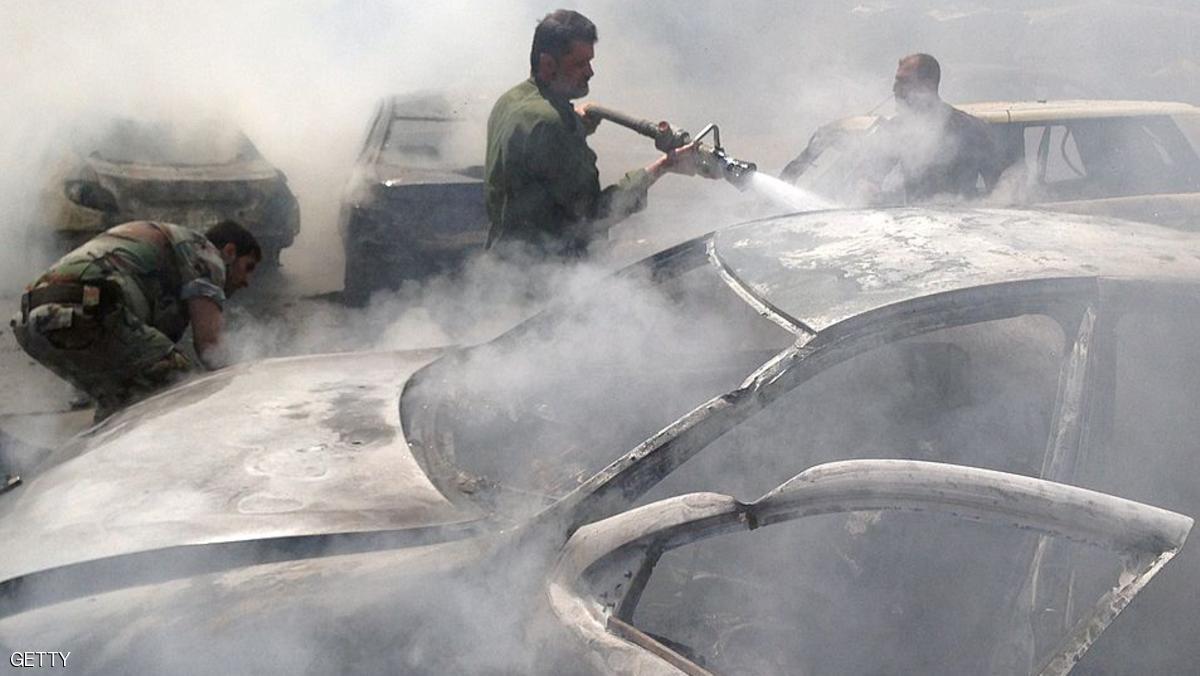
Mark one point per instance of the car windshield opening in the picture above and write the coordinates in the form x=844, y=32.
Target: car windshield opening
x=544, y=407
x=444, y=144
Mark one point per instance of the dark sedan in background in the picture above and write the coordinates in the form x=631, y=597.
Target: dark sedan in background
x=414, y=207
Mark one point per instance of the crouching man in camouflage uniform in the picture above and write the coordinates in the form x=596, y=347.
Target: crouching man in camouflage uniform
x=106, y=317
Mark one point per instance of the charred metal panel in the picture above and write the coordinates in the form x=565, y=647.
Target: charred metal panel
x=279, y=448
x=586, y=586
x=335, y=614
x=825, y=267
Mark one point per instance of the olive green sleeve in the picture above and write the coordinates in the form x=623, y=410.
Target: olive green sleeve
x=623, y=198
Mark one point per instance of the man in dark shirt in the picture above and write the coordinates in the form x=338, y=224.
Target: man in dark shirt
x=943, y=153
x=543, y=188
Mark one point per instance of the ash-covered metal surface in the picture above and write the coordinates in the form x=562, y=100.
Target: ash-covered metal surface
x=825, y=267
x=289, y=447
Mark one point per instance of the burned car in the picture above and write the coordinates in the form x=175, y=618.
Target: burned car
x=1129, y=159
x=195, y=175
x=414, y=207
x=909, y=440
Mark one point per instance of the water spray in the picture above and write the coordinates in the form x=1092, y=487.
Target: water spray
x=714, y=161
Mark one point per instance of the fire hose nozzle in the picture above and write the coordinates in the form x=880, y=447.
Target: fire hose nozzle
x=738, y=172
x=714, y=161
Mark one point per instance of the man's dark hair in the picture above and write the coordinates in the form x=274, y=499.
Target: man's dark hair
x=232, y=232
x=555, y=33
x=927, y=68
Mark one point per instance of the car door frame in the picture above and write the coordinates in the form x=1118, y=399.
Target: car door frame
x=604, y=568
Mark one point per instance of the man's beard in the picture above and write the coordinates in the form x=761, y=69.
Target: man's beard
x=576, y=92
x=570, y=91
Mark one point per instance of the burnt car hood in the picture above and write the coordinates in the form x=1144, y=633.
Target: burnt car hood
x=273, y=449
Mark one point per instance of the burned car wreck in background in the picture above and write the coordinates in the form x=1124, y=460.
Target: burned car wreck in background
x=414, y=207
x=661, y=501
x=1138, y=160
x=194, y=175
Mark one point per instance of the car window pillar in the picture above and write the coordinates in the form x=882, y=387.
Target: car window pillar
x=1082, y=409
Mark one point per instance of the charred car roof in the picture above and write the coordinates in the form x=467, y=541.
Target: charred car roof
x=826, y=267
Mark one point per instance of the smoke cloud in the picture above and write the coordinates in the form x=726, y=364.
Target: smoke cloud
x=301, y=78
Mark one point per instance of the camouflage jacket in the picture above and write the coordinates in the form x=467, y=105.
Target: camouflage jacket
x=156, y=267
x=543, y=187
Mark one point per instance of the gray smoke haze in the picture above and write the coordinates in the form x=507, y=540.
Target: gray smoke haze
x=301, y=78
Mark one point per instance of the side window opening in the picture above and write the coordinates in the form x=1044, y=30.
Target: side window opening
x=1053, y=165
x=1109, y=157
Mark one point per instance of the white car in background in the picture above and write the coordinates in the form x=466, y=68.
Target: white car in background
x=1138, y=160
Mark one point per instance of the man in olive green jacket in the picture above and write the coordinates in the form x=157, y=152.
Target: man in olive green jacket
x=543, y=188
